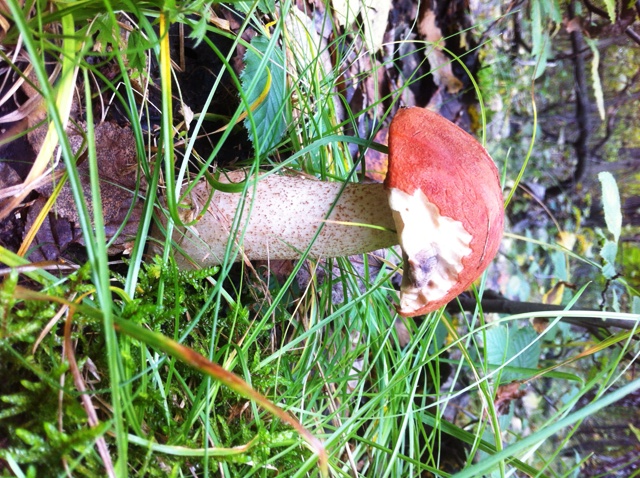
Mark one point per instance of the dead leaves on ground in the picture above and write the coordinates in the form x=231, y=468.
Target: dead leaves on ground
x=51, y=227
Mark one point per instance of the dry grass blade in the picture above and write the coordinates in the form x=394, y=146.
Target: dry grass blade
x=103, y=450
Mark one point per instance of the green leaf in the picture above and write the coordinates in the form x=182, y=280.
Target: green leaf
x=136, y=54
x=559, y=260
x=30, y=438
x=199, y=29
x=595, y=76
x=609, y=252
x=105, y=34
x=555, y=13
x=536, y=27
x=248, y=6
x=611, y=204
x=504, y=344
x=635, y=307
x=611, y=9
x=539, y=38
x=268, y=112
x=471, y=439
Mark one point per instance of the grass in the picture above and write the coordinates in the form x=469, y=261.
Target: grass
x=126, y=370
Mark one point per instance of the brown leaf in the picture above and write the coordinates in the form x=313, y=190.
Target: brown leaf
x=117, y=169
x=375, y=14
x=8, y=176
x=573, y=24
x=554, y=296
x=506, y=394
x=567, y=239
x=539, y=324
x=375, y=161
x=440, y=63
x=54, y=235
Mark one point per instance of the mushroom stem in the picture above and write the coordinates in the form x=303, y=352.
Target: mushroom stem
x=281, y=217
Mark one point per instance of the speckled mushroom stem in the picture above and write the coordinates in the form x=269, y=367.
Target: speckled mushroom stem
x=282, y=216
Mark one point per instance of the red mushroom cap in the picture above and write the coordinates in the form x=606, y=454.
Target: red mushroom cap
x=447, y=202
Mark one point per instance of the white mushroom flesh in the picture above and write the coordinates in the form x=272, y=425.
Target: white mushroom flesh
x=433, y=247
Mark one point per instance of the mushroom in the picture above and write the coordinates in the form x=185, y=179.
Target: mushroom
x=441, y=201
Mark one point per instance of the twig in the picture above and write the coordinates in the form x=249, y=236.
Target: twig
x=582, y=111
x=494, y=303
x=594, y=9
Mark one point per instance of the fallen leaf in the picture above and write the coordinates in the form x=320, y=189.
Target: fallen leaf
x=375, y=161
x=221, y=23
x=506, y=394
x=554, y=296
x=8, y=177
x=187, y=114
x=440, y=63
x=54, y=234
x=374, y=15
x=567, y=240
x=117, y=169
x=540, y=324
x=573, y=25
